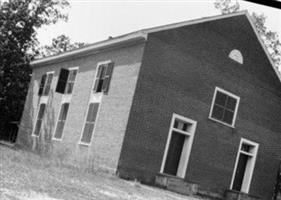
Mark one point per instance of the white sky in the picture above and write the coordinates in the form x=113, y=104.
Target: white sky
x=92, y=21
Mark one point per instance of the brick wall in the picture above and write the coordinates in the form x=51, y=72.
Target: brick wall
x=180, y=70
x=112, y=118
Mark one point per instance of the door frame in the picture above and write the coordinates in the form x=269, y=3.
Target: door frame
x=245, y=188
x=189, y=134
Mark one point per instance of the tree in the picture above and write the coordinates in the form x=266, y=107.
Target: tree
x=59, y=44
x=227, y=6
x=269, y=38
x=19, y=20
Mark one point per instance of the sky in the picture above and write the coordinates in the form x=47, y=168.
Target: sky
x=92, y=20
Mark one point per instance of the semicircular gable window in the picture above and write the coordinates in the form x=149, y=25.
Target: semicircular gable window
x=236, y=55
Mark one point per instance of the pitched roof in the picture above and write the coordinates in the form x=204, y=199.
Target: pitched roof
x=141, y=35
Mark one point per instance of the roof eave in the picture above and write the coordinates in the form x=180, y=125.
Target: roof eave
x=121, y=41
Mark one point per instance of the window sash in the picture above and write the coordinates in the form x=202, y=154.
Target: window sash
x=89, y=123
x=103, y=78
x=61, y=120
x=37, y=127
x=224, y=107
x=88, y=132
x=42, y=84
x=59, y=129
x=64, y=111
x=70, y=81
x=47, y=85
x=100, y=77
x=39, y=119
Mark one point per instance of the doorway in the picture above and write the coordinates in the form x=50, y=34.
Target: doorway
x=178, y=146
x=244, y=166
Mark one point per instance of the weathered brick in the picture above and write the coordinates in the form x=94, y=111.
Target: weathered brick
x=112, y=118
x=180, y=69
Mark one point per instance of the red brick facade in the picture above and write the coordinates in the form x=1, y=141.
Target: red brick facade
x=180, y=70
x=104, y=150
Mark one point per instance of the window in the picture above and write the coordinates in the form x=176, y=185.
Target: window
x=61, y=121
x=178, y=146
x=66, y=80
x=70, y=81
x=103, y=77
x=39, y=120
x=224, y=107
x=244, y=166
x=45, y=84
x=236, y=55
x=90, y=123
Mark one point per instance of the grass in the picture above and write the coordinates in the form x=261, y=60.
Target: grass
x=27, y=176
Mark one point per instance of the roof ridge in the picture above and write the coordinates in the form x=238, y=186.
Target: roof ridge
x=137, y=33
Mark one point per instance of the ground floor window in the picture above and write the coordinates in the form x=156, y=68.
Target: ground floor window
x=89, y=123
x=244, y=166
x=178, y=146
x=40, y=115
x=61, y=121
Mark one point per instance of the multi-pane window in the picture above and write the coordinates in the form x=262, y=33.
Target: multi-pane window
x=100, y=78
x=45, y=84
x=224, y=108
x=70, y=81
x=66, y=81
x=103, y=77
x=90, y=123
x=39, y=120
x=61, y=121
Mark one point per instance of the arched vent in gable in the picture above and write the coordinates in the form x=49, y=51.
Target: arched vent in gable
x=236, y=55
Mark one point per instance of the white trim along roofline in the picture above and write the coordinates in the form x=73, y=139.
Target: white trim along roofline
x=141, y=35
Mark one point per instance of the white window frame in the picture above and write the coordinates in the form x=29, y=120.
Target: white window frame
x=43, y=101
x=44, y=88
x=65, y=95
x=63, y=102
x=236, y=107
x=94, y=98
x=245, y=186
x=66, y=98
x=188, y=150
x=99, y=64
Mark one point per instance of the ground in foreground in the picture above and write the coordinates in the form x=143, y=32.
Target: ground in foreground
x=27, y=176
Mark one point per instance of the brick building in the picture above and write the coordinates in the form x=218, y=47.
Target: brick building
x=193, y=107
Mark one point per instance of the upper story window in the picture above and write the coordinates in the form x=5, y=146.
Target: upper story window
x=70, y=81
x=45, y=84
x=66, y=80
x=103, y=77
x=224, y=107
x=236, y=55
